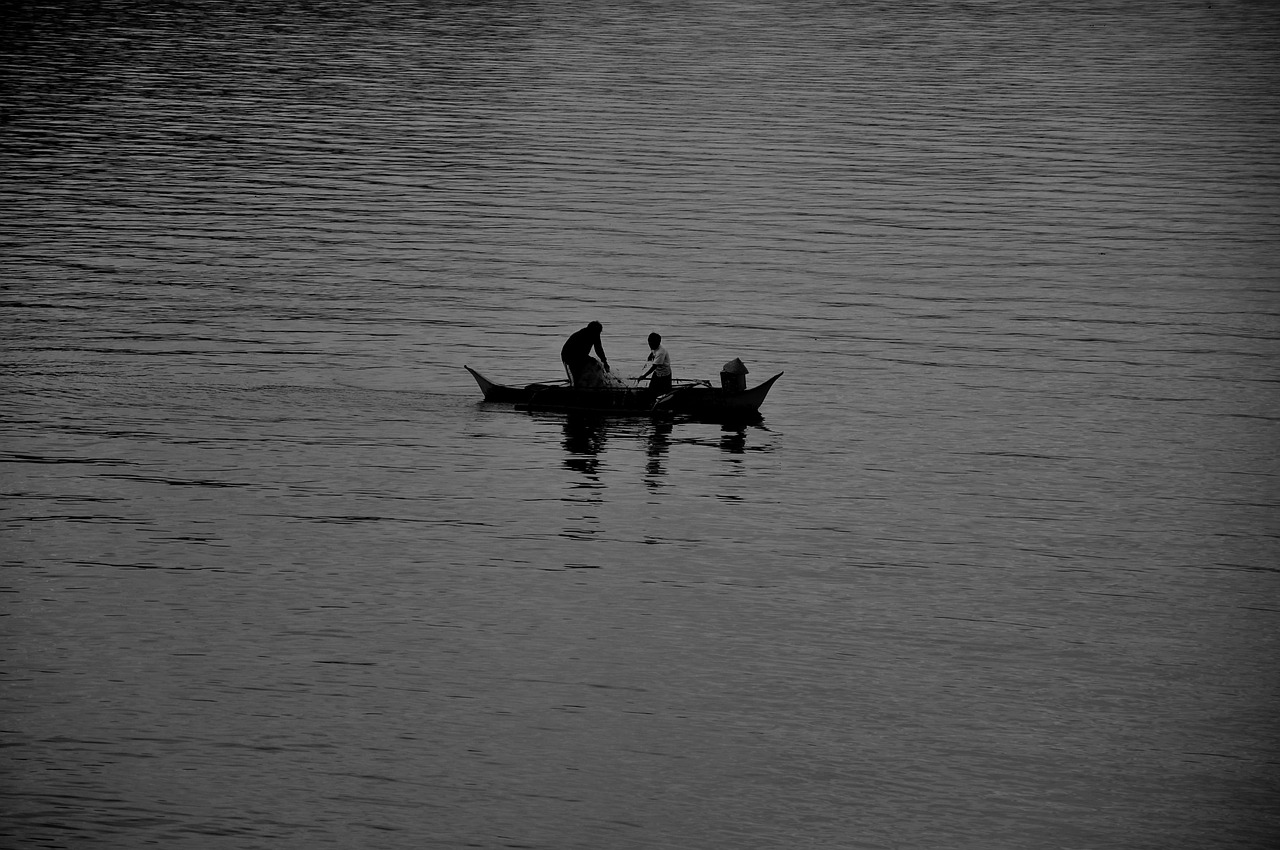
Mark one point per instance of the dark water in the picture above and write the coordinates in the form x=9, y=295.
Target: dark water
x=997, y=570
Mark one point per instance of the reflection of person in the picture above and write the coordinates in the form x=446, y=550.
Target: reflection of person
x=584, y=440
x=585, y=370
x=660, y=367
x=659, y=446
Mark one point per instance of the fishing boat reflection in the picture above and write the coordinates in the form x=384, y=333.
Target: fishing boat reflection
x=586, y=436
x=585, y=439
x=733, y=440
x=658, y=445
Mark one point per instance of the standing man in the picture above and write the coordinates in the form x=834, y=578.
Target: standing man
x=585, y=370
x=661, y=366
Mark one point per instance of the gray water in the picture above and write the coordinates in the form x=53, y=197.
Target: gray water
x=998, y=568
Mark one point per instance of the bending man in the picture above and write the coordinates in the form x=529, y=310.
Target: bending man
x=585, y=370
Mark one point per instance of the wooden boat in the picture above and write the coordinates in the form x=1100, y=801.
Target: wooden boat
x=697, y=399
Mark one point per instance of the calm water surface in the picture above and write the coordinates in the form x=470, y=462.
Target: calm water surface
x=996, y=570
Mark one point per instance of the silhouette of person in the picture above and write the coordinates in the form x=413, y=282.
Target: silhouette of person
x=585, y=370
x=660, y=366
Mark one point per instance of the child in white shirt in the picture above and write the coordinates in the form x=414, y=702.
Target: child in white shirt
x=660, y=367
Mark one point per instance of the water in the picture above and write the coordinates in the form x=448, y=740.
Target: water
x=997, y=569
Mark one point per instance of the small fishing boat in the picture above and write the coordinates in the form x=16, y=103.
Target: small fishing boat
x=696, y=399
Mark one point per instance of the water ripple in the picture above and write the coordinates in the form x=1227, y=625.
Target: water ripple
x=1002, y=543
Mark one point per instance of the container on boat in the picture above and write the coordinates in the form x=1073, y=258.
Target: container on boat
x=733, y=376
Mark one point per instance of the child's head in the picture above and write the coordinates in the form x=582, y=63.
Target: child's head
x=654, y=340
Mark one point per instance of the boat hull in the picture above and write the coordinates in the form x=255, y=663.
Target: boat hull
x=695, y=400
x=620, y=402
x=503, y=394
x=715, y=402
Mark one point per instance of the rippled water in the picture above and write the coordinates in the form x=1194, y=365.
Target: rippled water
x=997, y=570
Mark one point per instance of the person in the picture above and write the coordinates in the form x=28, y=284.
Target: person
x=661, y=366
x=585, y=370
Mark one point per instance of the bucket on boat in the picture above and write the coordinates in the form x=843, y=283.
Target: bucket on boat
x=733, y=376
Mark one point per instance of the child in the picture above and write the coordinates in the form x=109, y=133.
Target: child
x=660, y=368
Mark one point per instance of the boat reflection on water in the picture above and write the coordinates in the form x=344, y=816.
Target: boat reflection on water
x=733, y=439
x=584, y=439
x=658, y=444
x=639, y=452
x=586, y=436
